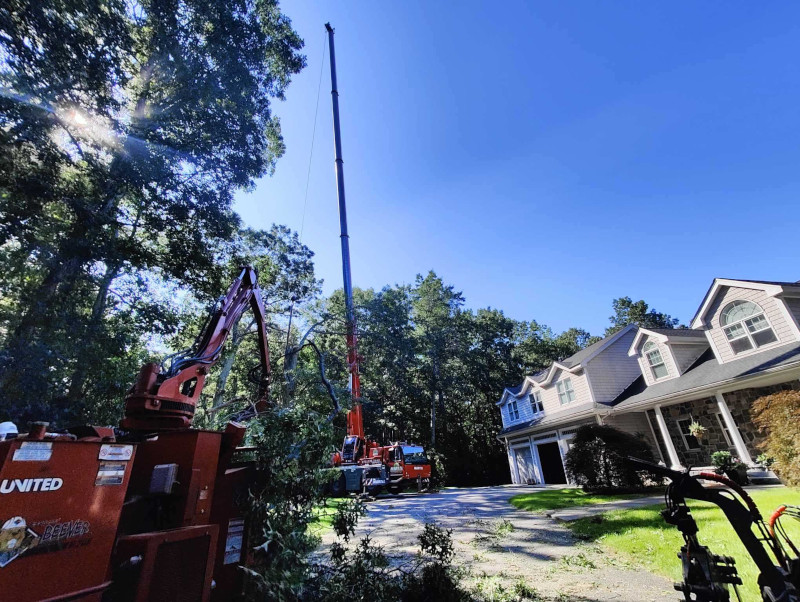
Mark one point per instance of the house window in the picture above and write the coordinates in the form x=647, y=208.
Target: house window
x=536, y=403
x=566, y=394
x=689, y=440
x=745, y=326
x=725, y=431
x=654, y=359
x=513, y=410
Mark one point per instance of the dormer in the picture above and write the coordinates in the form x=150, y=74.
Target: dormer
x=745, y=317
x=521, y=404
x=666, y=353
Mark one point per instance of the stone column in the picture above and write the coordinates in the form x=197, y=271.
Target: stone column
x=671, y=451
x=738, y=442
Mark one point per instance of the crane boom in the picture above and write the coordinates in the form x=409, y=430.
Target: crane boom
x=355, y=419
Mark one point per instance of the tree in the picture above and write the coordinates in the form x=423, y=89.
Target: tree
x=626, y=311
x=778, y=417
x=123, y=122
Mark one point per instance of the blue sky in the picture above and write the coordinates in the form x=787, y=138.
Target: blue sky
x=545, y=158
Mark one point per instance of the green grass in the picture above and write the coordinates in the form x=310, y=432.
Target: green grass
x=323, y=515
x=555, y=499
x=642, y=536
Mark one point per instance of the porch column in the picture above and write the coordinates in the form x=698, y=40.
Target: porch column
x=738, y=442
x=671, y=451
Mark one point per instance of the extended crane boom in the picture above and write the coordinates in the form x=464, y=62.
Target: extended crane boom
x=355, y=418
x=166, y=401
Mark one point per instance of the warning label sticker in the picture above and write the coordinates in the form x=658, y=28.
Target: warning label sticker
x=112, y=451
x=110, y=473
x=34, y=451
x=234, y=540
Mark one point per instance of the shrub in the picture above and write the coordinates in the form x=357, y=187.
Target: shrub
x=778, y=416
x=765, y=460
x=597, y=459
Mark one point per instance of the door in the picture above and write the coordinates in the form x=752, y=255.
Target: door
x=552, y=468
x=525, y=465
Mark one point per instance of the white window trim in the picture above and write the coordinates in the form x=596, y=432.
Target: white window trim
x=566, y=385
x=683, y=437
x=511, y=417
x=724, y=428
x=535, y=399
x=653, y=366
x=747, y=334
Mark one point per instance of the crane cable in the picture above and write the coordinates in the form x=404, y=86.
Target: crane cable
x=308, y=178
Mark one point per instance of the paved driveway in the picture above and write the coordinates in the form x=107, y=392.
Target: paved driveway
x=494, y=538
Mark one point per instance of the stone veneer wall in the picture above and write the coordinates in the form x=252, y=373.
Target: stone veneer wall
x=703, y=411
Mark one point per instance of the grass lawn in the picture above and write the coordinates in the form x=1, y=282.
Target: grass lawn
x=323, y=515
x=642, y=535
x=555, y=499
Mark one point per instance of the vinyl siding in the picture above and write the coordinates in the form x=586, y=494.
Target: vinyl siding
x=777, y=319
x=633, y=423
x=550, y=393
x=524, y=407
x=612, y=370
x=666, y=355
x=686, y=354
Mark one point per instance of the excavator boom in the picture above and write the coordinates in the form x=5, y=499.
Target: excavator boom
x=167, y=400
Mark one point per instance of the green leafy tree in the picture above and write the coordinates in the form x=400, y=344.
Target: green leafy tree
x=124, y=132
x=627, y=311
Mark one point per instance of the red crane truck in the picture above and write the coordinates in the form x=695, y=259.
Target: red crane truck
x=364, y=465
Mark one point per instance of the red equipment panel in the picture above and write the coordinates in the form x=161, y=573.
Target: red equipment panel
x=174, y=565
x=196, y=453
x=60, y=503
x=230, y=503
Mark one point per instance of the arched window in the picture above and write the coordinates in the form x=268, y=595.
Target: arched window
x=745, y=326
x=654, y=359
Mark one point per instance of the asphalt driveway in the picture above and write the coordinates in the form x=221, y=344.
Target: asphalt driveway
x=500, y=544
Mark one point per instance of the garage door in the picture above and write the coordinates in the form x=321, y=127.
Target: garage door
x=525, y=465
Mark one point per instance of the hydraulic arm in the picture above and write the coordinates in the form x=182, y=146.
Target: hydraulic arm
x=706, y=576
x=166, y=400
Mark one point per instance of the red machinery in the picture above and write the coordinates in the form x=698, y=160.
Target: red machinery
x=365, y=465
x=153, y=513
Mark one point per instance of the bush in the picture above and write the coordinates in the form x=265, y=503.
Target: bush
x=778, y=416
x=597, y=459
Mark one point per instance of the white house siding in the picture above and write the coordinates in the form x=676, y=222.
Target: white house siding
x=777, y=319
x=666, y=355
x=550, y=393
x=685, y=355
x=633, y=423
x=612, y=370
x=524, y=407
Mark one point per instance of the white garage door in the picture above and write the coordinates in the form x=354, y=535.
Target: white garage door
x=525, y=465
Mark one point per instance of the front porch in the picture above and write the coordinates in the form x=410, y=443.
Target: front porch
x=725, y=418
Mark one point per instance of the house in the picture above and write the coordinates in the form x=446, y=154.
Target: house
x=743, y=343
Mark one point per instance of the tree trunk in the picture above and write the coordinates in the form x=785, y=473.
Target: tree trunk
x=78, y=380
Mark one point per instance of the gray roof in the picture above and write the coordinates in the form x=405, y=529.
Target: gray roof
x=779, y=283
x=708, y=371
x=515, y=390
x=577, y=358
x=687, y=333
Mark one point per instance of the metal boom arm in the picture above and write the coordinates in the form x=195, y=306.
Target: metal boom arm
x=167, y=401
